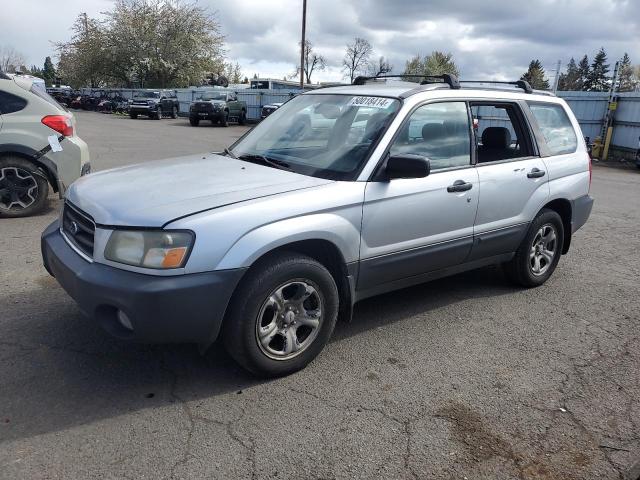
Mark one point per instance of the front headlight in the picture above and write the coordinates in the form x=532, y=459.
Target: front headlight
x=149, y=249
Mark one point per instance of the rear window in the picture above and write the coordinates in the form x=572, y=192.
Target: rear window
x=45, y=96
x=555, y=127
x=10, y=103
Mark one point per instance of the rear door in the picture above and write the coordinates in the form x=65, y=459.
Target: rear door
x=414, y=226
x=513, y=178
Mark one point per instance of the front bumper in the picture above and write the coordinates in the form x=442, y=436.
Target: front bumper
x=143, y=109
x=162, y=309
x=214, y=115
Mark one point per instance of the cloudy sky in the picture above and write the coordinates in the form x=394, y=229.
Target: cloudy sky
x=489, y=38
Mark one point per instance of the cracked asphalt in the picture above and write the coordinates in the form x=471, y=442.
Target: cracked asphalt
x=466, y=377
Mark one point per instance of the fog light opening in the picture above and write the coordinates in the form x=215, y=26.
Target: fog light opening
x=124, y=320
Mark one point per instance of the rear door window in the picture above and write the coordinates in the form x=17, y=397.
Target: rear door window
x=556, y=127
x=500, y=132
x=10, y=103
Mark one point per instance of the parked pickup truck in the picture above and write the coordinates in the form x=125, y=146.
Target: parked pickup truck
x=154, y=104
x=219, y=107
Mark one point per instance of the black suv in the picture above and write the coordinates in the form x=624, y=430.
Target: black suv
x=154, y=104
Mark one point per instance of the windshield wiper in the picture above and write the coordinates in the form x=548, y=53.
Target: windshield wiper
x=229, y=153
x=271, y=162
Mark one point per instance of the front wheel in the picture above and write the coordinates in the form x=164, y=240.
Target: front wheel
x=282, y=315
x=242, y=120
x=133, y=115
x=224, y=121
x=539, y=253
x=23, y=188
x=174, y=112
x=194, y=121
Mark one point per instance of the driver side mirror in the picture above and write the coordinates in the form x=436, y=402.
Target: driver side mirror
x=407, y=165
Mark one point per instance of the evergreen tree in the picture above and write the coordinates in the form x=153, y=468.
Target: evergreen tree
x=571, y=79
x=535, y=76
x=597, y=80
x=48, y=72
x=583, y=71
x=627, y=81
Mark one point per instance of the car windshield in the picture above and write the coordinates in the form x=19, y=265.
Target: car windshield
x=147, y=95
x=213, y=96
x=321, y=135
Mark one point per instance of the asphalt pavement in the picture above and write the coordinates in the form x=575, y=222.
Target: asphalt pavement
x=466, y=377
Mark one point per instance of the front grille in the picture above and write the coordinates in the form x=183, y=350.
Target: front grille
x=79, y=228
x=204, y=107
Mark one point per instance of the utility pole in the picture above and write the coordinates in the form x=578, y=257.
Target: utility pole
x=557, y=79
x=302, y=43
x=612, y=104
x=85, y=23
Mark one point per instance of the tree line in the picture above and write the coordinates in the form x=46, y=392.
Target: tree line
x=594, y=76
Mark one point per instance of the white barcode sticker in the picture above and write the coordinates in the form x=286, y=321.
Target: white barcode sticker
x=374, y=102
x=54, y=143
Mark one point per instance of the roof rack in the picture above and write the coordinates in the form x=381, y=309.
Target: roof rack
x=523, y=84
x=446, y=78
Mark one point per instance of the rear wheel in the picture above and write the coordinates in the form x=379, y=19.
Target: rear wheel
x=194, y=121
x=282, y=315
x=539, y=253
x=23, y=188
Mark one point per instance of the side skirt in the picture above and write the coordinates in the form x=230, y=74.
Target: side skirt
x=427, y=277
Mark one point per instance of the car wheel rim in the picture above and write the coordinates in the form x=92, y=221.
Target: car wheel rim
x=290, y=319
x=543, y=249
x=18, y=188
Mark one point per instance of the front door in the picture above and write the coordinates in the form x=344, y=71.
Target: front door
x=415, y=226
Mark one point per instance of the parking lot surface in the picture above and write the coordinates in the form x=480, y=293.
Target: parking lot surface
x=467, y=377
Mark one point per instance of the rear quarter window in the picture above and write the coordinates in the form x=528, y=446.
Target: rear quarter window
x=556, y=127
x=10, y=103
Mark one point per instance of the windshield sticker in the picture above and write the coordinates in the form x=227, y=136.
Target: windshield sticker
x=374, y=102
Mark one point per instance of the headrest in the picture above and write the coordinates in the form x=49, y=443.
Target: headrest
x=496, y=137
x=433, y=131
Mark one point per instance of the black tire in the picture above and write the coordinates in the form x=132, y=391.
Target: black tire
x=194, y=121
x=158, y=114
x=242, y=120
x=520, y=269
x=133, y=115
x=224, y=121
x=21, y=180
x=174, y=112
x=240, y=330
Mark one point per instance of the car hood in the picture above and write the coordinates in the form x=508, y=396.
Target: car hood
x=153, y=194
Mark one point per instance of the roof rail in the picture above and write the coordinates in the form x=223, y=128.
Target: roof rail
x=446, y=78
x=523, y=84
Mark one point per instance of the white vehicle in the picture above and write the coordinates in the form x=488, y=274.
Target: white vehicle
x=271, y=241
x=38, y=147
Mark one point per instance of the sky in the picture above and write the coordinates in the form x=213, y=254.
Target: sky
x=489, y=39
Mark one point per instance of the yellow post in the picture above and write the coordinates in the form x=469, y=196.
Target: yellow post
x=607, y=142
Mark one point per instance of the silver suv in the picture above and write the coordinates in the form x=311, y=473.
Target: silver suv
x=342, y=193
x=38, y=147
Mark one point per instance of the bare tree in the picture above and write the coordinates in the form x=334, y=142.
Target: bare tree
x=10, y=59
x=380, y=67
x=356, y=57
x=312, y=62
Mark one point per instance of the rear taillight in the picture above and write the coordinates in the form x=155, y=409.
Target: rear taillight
x=60, y=123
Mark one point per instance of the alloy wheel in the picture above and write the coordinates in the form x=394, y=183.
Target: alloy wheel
x=543, y=249
x=289, y=319
x=18, y=187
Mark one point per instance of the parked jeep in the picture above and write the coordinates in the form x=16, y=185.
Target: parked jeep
x=154, y=104
x=219, y=107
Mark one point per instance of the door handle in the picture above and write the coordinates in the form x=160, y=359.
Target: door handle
x=459, y=186
x=535, y=173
